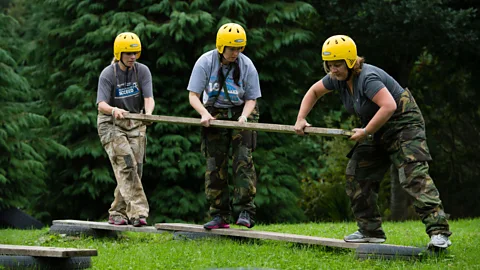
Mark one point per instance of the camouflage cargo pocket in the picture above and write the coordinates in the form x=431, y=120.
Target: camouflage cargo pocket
x=105, y=132
x=413, y=146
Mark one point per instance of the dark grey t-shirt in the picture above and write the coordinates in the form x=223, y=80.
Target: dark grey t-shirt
x=130, y=87
x=365, y=87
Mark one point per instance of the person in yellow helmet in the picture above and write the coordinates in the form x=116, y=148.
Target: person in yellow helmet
x=125, y=86
x=224, y=85
x=393, y=132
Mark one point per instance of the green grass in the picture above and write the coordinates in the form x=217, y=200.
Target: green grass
x=161, y=251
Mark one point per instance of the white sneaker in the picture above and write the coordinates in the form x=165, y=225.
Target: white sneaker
x=439, y=241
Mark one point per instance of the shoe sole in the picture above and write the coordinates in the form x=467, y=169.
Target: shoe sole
x=446, y=245
x=248, y=225
x=140, y=224
x=366, y=240
x=113, y=223
x=217, y=227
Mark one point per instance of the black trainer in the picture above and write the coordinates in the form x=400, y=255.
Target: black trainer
x=245, y=220
x=217, y=223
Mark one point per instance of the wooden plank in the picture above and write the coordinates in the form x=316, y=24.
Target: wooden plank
x=106, y=226
x=295, y=238
x=237, y=125
x=248, y=233
x=45, y=251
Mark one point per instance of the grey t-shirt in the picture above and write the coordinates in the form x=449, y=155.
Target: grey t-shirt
x=130, y=87
x=204, y=80
x=365, y=87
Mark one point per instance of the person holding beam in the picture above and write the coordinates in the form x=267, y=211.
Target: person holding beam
x=393, y=132
x=224, y=85
x=125, y=86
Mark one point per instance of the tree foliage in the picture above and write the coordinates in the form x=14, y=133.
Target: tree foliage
x=74, y=43
x=64, y=45
x=24, y=140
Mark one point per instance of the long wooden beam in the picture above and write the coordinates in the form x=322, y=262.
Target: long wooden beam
x=245, y=233
x=237, y=125
x=288, y=237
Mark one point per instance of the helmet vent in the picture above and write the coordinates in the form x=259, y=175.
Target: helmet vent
x=336, y=41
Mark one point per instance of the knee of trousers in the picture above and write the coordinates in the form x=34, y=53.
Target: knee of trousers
x=215, y=177
x=351, y=185
x=125, y=163
x=413, y=173
x=361, y=183
x=243, y=156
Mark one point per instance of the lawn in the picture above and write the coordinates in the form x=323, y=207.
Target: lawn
x=133, y=250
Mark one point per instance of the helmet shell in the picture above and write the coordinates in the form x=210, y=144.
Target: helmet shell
x=340, y=47
x=126, y=42
x=231, y=34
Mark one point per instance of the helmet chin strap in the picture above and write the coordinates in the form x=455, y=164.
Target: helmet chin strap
x=349, y=75
x=223, y=58
x=124, y=63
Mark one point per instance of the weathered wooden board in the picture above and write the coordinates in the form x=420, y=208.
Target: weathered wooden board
x=106, y=226
x=39, y=251
x=295, y=238
x=238, y=125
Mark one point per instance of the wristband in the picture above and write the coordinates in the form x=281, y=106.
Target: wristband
x=244, y=118
x=113, y=111
x=369, y=136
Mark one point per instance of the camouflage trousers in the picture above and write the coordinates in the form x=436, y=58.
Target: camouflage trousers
x=402, y=142
x=216, y=146
x=125, y=143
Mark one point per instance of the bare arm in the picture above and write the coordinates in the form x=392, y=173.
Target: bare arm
x=149, y=105
x=387, y=105
x=195, y=102
x=315, y=92
x=247, y=110
x=104, y=108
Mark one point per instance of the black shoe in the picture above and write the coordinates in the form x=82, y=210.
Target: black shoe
x=217, y=223
x=245, y=220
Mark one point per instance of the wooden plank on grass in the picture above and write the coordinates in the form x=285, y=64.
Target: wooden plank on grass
x=106, y=226
x=45, y=251
x=295, y=238
x=237, y=125
x=247, y=233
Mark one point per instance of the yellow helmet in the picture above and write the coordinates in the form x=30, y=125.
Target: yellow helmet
x=231, y=34
x=340, y=47
x=126, y=42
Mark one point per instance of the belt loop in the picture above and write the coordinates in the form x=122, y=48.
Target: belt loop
x=229, y=113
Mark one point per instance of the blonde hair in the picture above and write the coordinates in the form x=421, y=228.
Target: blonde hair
x=357, y=68
x=114, y=61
